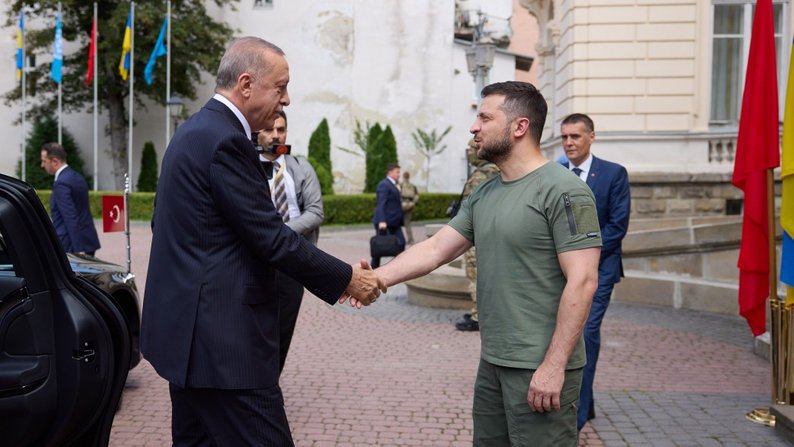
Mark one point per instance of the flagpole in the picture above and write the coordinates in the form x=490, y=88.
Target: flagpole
x=168, y=78
x=96, y=92
x=60, y=96
x=132, y=78
x=24, y=89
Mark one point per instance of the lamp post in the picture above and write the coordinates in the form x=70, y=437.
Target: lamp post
x=479, y=56
x=479, y=60
x=175, y=107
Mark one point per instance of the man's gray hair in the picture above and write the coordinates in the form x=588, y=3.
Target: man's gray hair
x=244, y=55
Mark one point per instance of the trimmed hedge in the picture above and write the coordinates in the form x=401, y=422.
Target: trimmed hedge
x=339, y=209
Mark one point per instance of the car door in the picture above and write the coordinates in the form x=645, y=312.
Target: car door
x=64, y=346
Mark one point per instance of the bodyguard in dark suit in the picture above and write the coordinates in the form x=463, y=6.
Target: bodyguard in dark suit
x=610, y=185
x=388, y=208
x=210, y=315
x=69, y=207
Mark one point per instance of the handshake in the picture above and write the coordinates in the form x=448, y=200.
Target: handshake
x=365, y=286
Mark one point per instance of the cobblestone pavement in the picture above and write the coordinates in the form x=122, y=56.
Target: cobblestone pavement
x=398, y=375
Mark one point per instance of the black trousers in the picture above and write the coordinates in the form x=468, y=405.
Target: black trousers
x=290, y=297
x=221, y=418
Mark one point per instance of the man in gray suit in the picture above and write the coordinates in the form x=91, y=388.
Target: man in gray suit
x=304, y=204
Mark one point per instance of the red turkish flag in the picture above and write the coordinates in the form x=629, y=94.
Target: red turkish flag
x=89, y=74
x=113, y=217
x=757, y=151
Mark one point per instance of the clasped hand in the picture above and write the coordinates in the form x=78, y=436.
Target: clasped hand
x=365, y=286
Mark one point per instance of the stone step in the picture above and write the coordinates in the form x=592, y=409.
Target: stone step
x=784, y=421
x=679, y=292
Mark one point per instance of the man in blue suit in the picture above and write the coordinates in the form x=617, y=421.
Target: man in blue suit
x=388, y=208
x=610, y=185
x=211, y=312
x=69, y=208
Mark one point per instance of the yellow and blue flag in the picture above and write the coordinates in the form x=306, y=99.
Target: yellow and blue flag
x=126, y=47
x=787, y=175
x=57, y=53
x=159, y=50
x=20, y=44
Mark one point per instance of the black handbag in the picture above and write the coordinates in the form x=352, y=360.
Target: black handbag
x=384, y=244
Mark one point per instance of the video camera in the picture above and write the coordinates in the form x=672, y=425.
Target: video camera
x=275, y=149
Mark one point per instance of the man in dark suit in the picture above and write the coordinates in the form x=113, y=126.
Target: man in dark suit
x=210, y=315
x=303, y=203
x=388, y=215
x=69, y=208
x=610, y=185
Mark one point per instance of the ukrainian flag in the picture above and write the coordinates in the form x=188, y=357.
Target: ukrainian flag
x=787, y=175
x=20, y=44
x=126, y=46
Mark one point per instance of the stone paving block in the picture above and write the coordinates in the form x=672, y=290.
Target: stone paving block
x=659, y=367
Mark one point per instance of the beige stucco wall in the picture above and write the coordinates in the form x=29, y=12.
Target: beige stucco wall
x=642, y=70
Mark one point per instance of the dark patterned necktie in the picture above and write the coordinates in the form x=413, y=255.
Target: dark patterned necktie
x=280, y=192
x=577, y=171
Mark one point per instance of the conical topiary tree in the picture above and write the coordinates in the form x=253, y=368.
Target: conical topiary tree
x=320, y=156
x=373, y=173
x=388, y=145
x=147, y=179
x=45, y=130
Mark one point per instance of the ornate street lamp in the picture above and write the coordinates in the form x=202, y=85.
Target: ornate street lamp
x=175, y=106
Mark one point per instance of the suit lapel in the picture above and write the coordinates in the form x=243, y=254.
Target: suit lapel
x=592, y=176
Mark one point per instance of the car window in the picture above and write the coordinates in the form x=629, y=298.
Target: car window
x=6, y=266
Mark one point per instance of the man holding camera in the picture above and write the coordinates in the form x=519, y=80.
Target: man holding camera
x=296, y=194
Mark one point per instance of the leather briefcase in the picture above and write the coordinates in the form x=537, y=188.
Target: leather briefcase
x=384, y=244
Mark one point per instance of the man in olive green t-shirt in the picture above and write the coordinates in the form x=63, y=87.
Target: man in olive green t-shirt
x=537, y=236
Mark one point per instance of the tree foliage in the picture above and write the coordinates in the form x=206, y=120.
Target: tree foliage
x=388, y=149
x=429, y=144
x=198, y=43
x=45, y=130
x=147, y=179
x=373, y=173
x=320, y=156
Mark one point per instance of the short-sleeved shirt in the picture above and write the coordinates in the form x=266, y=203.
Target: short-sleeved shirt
x=519, y=227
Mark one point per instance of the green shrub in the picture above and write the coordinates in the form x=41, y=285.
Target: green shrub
x=320, y=156
x=339, y=209
x=373, y=173
x=147, y=179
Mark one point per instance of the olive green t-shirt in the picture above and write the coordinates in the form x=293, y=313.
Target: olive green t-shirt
x=519, y=227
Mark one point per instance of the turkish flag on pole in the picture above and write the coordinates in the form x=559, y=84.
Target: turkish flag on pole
x=89, y=74
x=757, y=151
x=113, y=217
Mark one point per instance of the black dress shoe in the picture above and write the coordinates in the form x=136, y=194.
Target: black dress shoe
x=468, y=325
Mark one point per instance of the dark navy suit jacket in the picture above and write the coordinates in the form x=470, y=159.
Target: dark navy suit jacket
x=388, y=206
x=71, y=213
x=610, y=185
x=210, y=315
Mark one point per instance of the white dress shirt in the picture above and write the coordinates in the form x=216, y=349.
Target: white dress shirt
x=289, y=186
x=585, y=167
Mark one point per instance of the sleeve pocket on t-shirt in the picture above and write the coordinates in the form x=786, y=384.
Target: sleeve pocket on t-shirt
x=581, y=213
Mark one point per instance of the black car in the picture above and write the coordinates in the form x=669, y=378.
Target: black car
x=65, y=345
x=119, y=284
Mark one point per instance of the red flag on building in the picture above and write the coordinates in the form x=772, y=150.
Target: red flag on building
x=113, y=217
x=89, y=75
x=757, y=151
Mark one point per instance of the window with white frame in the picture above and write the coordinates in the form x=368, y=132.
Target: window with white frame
x=733, y=25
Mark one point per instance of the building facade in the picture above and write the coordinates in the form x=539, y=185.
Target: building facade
x=396, y=62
